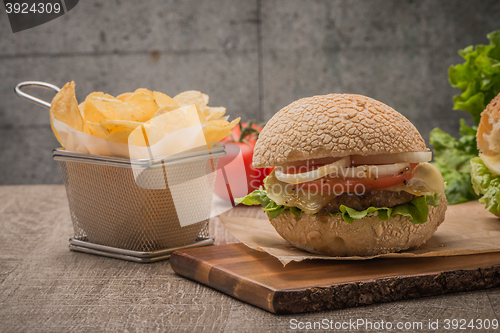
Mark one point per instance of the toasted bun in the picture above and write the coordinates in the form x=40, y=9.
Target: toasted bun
x=488, y=132
x=334, y=125
x=369, y=236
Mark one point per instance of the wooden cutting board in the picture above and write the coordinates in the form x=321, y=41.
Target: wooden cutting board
x=313, y=285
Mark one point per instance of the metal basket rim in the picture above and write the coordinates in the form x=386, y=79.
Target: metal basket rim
x=70, y=156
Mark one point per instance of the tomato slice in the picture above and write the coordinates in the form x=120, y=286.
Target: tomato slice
x=340, y=185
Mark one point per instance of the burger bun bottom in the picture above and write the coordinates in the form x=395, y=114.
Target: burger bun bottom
x=368, y=236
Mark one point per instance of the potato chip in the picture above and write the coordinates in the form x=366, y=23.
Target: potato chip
x=64, y=108
x=173, y=121
x=100, y=94
x=90, y=112
x=99, y=108
x=144, y=101
x=81, y=107
x=165, y=109
x=140, y=118
x=118, y=125
x=219, y=122
x=137, y=137
x=96, y=130
x=217, y=130
x=212, y=113
x=120, y=136
x=144, y=90
x=124, y=96
x=161, y=99
x=191, y=97
x=169, y=108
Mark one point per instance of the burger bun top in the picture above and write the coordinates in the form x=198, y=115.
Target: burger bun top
x=334, y=125
x=488, y=132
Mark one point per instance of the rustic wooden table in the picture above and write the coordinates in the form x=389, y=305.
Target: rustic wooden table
x=45, y=287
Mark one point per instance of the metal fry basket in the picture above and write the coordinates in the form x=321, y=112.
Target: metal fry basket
x=114, y=217
x=108, y=208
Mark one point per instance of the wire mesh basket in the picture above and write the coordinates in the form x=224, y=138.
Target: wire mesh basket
x=109, y=208
x=113, y=216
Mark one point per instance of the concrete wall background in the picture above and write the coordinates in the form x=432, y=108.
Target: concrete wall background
x=252, y=56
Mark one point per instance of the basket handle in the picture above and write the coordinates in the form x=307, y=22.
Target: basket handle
x=33, y=99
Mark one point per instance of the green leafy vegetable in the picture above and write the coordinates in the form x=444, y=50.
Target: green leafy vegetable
x=417, y=209
x=452, y=158
x=486, y=183
x=478, y=78
x=349, y=214
x=273, y=209
x=295, y=211
x=257, y=197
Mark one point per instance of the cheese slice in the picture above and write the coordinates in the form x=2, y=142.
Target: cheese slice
x=426, y=181
x=492, y=162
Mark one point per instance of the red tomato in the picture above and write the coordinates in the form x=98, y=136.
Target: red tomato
x=339, y=185
x=239, y=186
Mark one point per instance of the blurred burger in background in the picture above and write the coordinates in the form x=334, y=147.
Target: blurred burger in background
x=485, y=169
x=351, y=177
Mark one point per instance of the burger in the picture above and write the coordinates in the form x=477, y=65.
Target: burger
x=351, y=177
x=485, y=169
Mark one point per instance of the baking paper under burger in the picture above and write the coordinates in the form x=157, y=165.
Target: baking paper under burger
x=351, y=177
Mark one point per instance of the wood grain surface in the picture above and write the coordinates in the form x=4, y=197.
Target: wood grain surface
x=46, y=288
x=314, y=285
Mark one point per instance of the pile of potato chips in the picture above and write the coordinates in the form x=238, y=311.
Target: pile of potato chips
x=114, y=118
